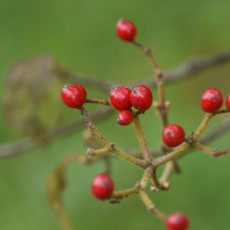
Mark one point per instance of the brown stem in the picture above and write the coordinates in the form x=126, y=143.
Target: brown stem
x=216, y=132
x=129, y=158
x=203, y=148
x=168, y=170
x=124, y=193
x=156, y=185
x=98, y=101
x=108, y=146
x=184, y=147
x=150, y=205
x=142, y=142
x=202, y=126
x=93, y=129
x=210, y=151
x=162, y=107
x=98, y=152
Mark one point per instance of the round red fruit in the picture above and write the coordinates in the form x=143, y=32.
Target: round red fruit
x=177, y=221
x=227, y=102
x=120, y=98
x=125, y=117
x=73, y=95
x=173, y=135
x=102, y=186
x=125, y=30
x=211, y=100
x=141, y=98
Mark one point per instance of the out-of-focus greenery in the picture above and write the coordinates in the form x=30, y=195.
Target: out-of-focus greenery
x=80, y=34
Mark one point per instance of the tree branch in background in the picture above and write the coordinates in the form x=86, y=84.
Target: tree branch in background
x=186, y=70
x=192, y=67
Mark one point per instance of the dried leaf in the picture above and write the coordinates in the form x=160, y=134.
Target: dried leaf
x=31, y=99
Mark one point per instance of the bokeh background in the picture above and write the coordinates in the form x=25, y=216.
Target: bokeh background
x=80, y=34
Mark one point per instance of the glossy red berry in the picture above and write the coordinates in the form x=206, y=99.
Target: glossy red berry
x=102, y=186
x=73, y=95
x=211, y=100
x=120, y=98
x=125, y=117
x=227, y=102
x=141, y=98
x=177, y=221
x=173, y=135
x=126, y=30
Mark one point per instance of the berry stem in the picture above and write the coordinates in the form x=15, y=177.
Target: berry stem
x=98, y=152
x=98, y=101
x=168, y=170
x=145, y=178
x=93, y=129
x=202, y=126
x=150, y=205
x=210, y=151
x=156, y=185
x=124, y=193
x=142, y=142
x=129, y=158
x=156, y=67
x=204, y=148
x=162, y=105
x=108, y=146
x=172, y=155
x=204, y=123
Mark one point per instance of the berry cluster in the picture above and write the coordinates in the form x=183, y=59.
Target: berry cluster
x=131, y=103
x=123, y=98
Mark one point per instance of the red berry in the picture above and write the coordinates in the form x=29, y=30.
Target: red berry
x=173, y=135
x=126, y=30
x=177, y=221
x=120, y=98
x=227, y=102
x=141, y=98
x=211, y=100
x=125, y=117
x=73, y=95
x=102, y=186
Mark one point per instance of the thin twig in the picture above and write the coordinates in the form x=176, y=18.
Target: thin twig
x=150, y=205
x=124, y=193
x=141, y=138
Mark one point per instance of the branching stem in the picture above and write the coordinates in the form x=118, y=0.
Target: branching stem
x=142, y=142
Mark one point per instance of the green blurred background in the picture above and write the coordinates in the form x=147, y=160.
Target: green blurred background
x=80, y=34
